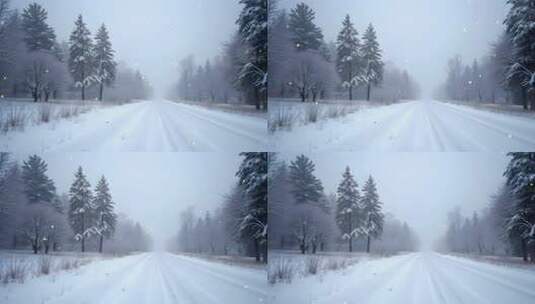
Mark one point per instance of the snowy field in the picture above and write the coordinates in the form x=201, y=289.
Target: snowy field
x=286, y=114
x=155, y=126
x=413, y=126
x=285, y=266
x=145, y=278
x=19, y=266
x=414, y=278
x=18, y=114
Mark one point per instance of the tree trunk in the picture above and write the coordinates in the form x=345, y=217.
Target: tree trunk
x=524, y=250
x=369, y=92
x=350, y=92
x=83, y=92
x=368, y=244
x=350, y=244
x=83, y=230
x=101, y=91
x=257, y=250
x=524, y=98
x=100, y=242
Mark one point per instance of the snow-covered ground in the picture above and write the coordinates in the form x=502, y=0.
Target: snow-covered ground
x=155, y=126
x=413, y=126
x=414, y=278
x=145, y=278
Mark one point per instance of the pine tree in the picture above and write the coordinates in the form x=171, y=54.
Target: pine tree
x=520, y=177
x=81, y=60
x=347, y=207
x=348, y=59
x=253, y=30
x=81, y=213
x=372, y=59
x=104, y=62
x=305, y=34
x=520, y=24
x=252, y=176
x=104, y=211
x=306, y=188
x=38, y=35
x=373, y=218
x=38, y=187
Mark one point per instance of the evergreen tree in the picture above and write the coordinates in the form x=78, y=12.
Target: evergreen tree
x=253, y=30
x=520, y=24
x=372, y=59
x=252, y=176
x=104, y=62
x=347, y=207
x=104, y=211
x=305, y=34
x=520, y=175
x=38, y=187
x=81, y=60
x=372, y=215
x=348, y=60
x=38, y=35
x=81, y=213
x=306, y=188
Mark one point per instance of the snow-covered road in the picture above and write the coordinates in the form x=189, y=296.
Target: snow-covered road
x=155, y=126
x=161, y=278
x=415, y=278
x=414, y=126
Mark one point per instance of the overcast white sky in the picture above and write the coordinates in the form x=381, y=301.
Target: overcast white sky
x=419, y=35
x=152, y=188
x=150, y=35
x=419, y=188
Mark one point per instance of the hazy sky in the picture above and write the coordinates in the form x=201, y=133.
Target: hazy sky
x=419, y=188
x=152, y=188
x=150, y=34
x=419, y=35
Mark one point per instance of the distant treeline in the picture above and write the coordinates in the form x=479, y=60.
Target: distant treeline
x=507, y=225
x=33, y=63
x=507, y=73
x=303, y=65
x=34, y=216
x=239, y=74
x=239, y=226
x=302, y=217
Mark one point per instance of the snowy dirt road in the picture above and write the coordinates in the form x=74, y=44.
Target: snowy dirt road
x=147, y=278
x=414, y=126
x=415, y=278
x=153, y=126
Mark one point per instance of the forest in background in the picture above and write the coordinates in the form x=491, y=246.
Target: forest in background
x=35, y=64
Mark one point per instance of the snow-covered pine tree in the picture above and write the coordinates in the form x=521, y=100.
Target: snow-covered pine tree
x=348, y=62
x=347, y=207
x=104, y=211
x=372, y=215
x=38, y=187
x=81, y=211
x=81, y=59
x=305, y=34
x=520, y=24
x=253, y=30
x=306, y=188
x=520, y=175
x=252, y=175
x=38, y=35
x=105, y=64
x=372, y=60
